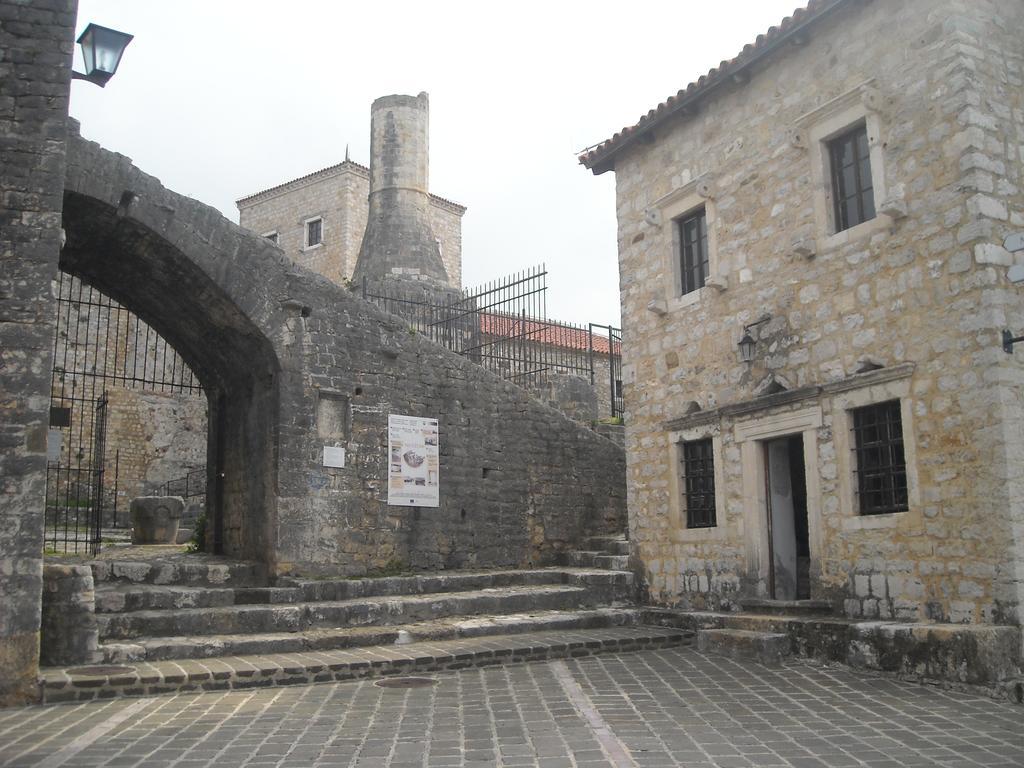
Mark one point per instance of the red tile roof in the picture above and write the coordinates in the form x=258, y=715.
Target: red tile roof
x=545, y=332
x=600, y=157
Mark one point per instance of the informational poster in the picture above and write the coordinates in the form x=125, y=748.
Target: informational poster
x=413, y=462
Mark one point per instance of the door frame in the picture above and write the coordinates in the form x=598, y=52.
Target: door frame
x=751, y=435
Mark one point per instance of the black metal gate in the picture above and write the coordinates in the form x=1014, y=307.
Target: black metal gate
x=99, y=346
x=606, y=350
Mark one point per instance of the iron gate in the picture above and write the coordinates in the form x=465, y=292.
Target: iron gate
x=98, y=346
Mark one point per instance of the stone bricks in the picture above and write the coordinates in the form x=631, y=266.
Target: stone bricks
x=33, y=116
x=339, y=194
x=520, y=483
x=921, y=288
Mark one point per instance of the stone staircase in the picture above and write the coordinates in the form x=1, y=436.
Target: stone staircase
x=180, y=625
x=606, y=552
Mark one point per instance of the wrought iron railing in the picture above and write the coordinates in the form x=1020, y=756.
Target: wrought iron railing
x=503, y=326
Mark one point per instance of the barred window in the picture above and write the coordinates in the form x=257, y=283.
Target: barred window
x=852, y=192
x=881, y=467
x=314, y=232
x=699, y=483
x=693, y=242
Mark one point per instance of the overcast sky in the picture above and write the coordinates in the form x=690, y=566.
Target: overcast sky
x=223, y=98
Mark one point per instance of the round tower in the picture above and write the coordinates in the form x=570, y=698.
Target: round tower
x=399, y=241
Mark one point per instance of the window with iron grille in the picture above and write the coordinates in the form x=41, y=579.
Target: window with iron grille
x=699, y=483
x=881, y=467
x=852, y=192
x=314, y=232
x=693, y=257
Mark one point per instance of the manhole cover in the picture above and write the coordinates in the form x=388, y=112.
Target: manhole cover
x=405, y=682
x=100, y=670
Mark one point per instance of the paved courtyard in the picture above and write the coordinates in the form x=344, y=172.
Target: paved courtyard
x=673, y=707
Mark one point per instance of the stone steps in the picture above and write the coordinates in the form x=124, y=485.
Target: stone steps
x=768, y=648
x=181, y=570
x=209, y=646
x=788, y=607
x=612, y=545
x=237, y=672
x=605, y=552
x=120, y=597
x=295, y=617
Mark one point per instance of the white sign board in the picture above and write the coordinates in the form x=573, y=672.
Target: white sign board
x=334, y=456
x=413, y=462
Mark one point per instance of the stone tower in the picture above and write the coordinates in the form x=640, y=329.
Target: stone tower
x=399, y=241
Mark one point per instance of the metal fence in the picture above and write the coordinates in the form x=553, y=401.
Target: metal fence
x=503, y=326
x=98, y=345
x=190, y=486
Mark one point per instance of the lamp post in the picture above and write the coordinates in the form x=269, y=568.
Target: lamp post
x=102, y=49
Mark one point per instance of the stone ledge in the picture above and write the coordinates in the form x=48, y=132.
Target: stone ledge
x=235, y=672
x=971, y=656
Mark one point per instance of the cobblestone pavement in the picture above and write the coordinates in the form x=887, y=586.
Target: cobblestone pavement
x=673, y=707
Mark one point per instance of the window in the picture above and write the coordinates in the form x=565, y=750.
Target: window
x=314, y=232
x=271, y=236
x=693, y=247
x=853, y=197
x=881, y=466
x=699, y=483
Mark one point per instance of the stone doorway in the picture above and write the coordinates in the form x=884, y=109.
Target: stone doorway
x=786, y=508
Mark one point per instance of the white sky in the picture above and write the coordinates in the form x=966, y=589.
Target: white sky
x=223, y=98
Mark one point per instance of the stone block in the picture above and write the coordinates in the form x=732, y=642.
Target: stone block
x=763, y=647
x=69, y=632
x=155, y=519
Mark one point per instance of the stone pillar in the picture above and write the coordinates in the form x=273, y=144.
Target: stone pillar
x=70, y=634
x=399, y=241
x=37, y=40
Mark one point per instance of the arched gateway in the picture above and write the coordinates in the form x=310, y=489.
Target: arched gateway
x=198, y=281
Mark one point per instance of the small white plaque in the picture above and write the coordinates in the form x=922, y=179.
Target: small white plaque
x=334, y=456
x=54, y=443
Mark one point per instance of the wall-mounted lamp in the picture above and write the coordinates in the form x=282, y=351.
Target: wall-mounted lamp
x=1009, y=340
x=102, y=49
x=747, y=344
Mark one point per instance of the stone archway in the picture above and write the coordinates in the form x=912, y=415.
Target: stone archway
x=144, y=246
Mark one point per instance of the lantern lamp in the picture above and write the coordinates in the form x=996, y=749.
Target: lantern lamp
x=746, y=346
x=102, y=49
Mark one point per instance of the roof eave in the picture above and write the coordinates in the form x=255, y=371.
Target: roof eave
x=598, y=161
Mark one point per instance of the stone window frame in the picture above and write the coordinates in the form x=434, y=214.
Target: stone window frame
x=843, y=405
x=305, y=233
x=668, y=211
x=677, y=507
x=814, y=131
x=273, y=236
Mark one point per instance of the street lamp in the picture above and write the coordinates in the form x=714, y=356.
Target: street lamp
x=101, y=51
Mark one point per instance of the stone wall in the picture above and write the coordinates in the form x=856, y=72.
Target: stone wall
x=155, y=438
x=925, y=295
x=292, y=362
x=339, y=194
x=35, y=68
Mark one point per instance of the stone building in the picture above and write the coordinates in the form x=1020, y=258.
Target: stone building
x=319, y=219
x=814, y=287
